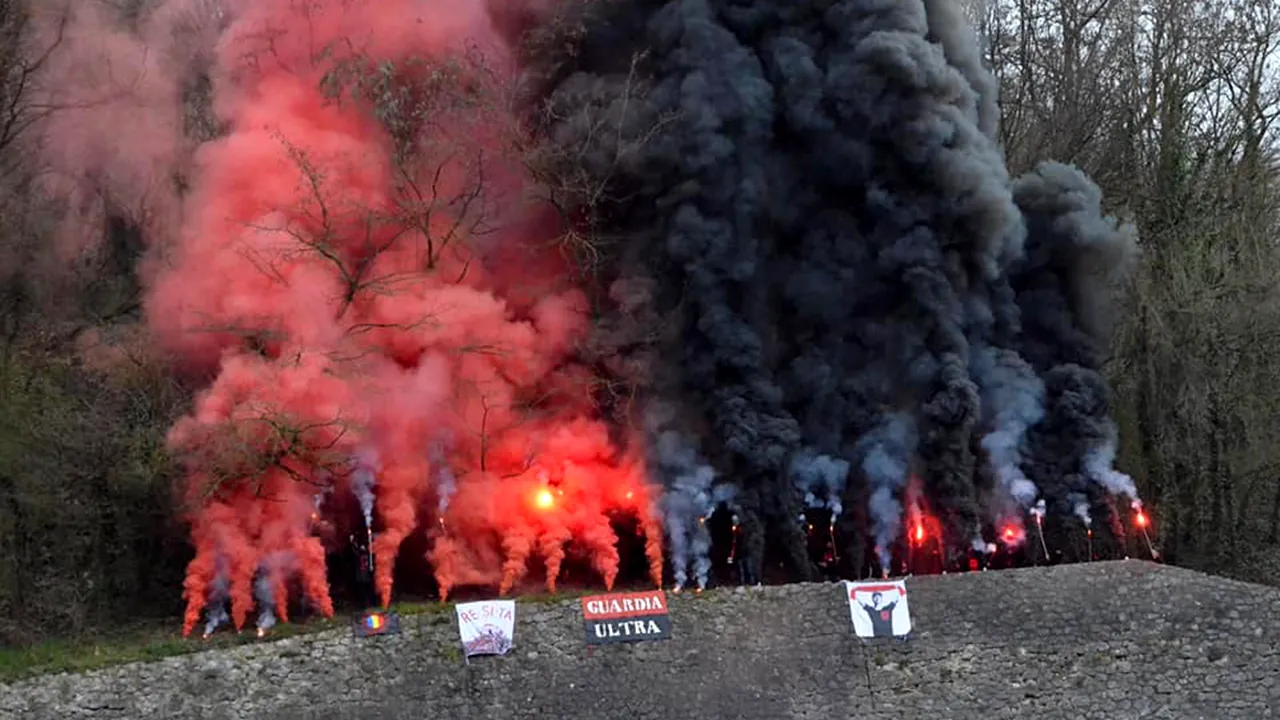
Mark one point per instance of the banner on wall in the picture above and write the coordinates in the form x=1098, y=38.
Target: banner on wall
x=879, y=609
x=626, y=617
x=487, y=627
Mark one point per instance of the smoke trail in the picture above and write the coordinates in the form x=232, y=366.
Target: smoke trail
x=446, y=483
x=821, y=479
x=1015, y=396
x=363, y=478
x=701, y=552
x=1080, y=506
x=687, y=499
x=1098, y=463
x=886, y=453
x=216, y=604
x=266, y=602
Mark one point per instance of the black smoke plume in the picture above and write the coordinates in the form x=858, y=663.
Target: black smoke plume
x=842, y=268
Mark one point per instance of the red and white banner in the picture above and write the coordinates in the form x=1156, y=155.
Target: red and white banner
x=626, y=617
x=879, y=609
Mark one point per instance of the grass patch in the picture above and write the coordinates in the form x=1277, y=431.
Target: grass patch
x=420, y=609
x=64, y=656
x=546, y=598
x=141, y=643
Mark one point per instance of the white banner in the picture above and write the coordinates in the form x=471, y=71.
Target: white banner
x=879, y=609
x=487, y=627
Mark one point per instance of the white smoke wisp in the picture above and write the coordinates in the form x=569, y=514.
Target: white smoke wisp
x=822, y=479
x=1080, y=506
x=688, y=499
x=678, y=548
x=219, y=594
x=701, y=552
x=266, y=601
x=725, y=494
x=363, y=479
x=280, y=563
x=321, y=496
x=686, y=505
x=446, y=482
x=886, y=453
x=1098, y=463
x=1015, y=396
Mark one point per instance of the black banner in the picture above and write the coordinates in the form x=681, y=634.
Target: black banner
x=630, y=629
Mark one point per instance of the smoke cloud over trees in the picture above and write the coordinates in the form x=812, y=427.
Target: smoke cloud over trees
x=492, y=295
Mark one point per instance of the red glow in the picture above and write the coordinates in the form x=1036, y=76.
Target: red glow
x=919, y=532
x=1010, y=533
x=630, y=494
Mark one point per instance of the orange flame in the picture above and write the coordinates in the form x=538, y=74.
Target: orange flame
x=1141, y=519
x=1009, y=533
x=919, y=531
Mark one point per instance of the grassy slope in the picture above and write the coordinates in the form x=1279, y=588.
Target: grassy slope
x=158, y=641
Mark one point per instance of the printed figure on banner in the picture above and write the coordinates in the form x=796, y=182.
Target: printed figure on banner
x=487, y=627
x=879, y=609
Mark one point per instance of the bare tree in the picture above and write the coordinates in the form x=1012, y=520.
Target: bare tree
x=1172, y=104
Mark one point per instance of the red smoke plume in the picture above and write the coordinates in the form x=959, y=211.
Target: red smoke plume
x=348, y=301
x=111, y=112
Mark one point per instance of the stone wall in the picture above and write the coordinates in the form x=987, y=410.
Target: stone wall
x=1107, y=640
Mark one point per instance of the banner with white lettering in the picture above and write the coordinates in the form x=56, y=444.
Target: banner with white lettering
x=626, y=617
x=487, y=627
x=879, y=609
